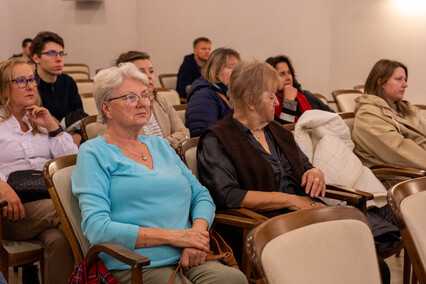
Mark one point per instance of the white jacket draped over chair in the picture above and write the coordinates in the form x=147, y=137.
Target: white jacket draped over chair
x=326, y=140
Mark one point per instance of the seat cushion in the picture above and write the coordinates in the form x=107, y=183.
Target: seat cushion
x=329, y=252
x=13, y=247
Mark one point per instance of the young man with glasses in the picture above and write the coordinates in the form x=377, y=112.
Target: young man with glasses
x=58, y=91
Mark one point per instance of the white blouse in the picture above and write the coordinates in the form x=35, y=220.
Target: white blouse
x=21, y=150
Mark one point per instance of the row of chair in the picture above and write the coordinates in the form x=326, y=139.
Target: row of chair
x=243, y=218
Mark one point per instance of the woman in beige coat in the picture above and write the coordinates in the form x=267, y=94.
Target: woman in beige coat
x=163, y=118
x=388, y=129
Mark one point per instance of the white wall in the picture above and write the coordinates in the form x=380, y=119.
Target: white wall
x=333, y=43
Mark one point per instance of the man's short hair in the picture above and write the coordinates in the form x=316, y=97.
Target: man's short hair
x=26, y=41
x=131, y=56
x=41, y=39
x=200, y=39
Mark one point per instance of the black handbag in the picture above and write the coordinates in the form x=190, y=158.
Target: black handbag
x=29, y=185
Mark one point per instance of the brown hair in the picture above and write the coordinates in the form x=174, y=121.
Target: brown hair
x=6, y=69
x=380, y=74
x=131, y=56
x=282, y=58
x=200, y=39
x=41, y=39
x=216, y=61
x=249, y=80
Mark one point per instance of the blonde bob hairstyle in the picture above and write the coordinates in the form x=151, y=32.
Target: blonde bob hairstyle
x=6, y=69
x=380, y=74
x=217, y=60
x=107, y=80
x=249, y=80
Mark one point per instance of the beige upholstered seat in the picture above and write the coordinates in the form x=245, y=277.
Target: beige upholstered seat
x=170, y=95
x=181, y=109
x=359, y=87
x=422, y=110
x=319, y=245
x=408, y=203
x=89, y=104
x=84, y=86
x=76, y=67
x=345, y=99
x=16, y=253
x=57, y=174
x=78, y=75
x=168, y=80
x=89, y=128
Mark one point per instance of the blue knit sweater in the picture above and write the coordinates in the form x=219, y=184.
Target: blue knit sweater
x=117, y=195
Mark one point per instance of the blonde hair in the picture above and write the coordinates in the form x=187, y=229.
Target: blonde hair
x=380, y=74
x=107, y=80
x=6, y=69
x=216, y=61
x=249, y=80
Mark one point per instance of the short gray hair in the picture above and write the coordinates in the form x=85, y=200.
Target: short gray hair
x=107, y=80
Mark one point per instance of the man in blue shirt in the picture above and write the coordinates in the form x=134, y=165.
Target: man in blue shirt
x=192, y=64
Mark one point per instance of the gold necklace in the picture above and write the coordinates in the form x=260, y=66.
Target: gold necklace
x=139, y=155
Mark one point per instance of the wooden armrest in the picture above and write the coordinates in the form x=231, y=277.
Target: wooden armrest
x=244, y=212
x=236, y=221
x=3, y=203
x=350, y=190
x=119, y=252
x=397, y=171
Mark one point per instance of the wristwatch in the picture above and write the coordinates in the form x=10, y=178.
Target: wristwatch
x=56, y=132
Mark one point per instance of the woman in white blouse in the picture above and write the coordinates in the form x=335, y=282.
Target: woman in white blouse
x=29, y=137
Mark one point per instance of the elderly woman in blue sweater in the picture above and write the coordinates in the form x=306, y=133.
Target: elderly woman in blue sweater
x=135, y=191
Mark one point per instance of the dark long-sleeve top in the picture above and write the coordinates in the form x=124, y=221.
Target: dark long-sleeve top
x=205, y=106
x=218, y=173
x=60, y=97
x=188, y=72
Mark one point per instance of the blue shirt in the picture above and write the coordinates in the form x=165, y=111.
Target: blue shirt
x=118, y=195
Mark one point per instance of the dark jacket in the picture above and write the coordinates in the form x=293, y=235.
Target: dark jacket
x=205, y=106
x=188, y=72
x=60, y=97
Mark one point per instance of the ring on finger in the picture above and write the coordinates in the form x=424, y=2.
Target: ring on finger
x=314, y=204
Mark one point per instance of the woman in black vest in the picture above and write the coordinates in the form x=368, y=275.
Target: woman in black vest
x=247, y=159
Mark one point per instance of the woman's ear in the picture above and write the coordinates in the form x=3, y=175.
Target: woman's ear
x=379, y=82
x=106, y=110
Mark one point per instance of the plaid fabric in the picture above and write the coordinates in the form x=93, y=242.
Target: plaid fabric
x=98, y=274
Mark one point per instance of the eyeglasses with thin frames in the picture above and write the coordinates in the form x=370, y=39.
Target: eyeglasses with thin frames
x=54, y=53
x=133, y=99
x=22, y=82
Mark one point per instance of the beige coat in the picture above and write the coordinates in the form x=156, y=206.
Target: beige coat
x=381, y=135
x=171, y=125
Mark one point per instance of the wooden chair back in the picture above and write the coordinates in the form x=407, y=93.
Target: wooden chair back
x=76, y=67
x=319, y=245
x=408, y=203
x=57, y=175
x=89, y=129
x=171, y=95
x=345, y=99
x=78, y=75
x=187, y=150
x=84, y=86
x=181, y=109
x=168, y=80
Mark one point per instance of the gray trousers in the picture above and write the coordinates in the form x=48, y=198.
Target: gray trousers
x=208, y=273
x=42, y=223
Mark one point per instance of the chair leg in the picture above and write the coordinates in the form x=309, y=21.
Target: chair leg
x=42, y=270
x=407, y=268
